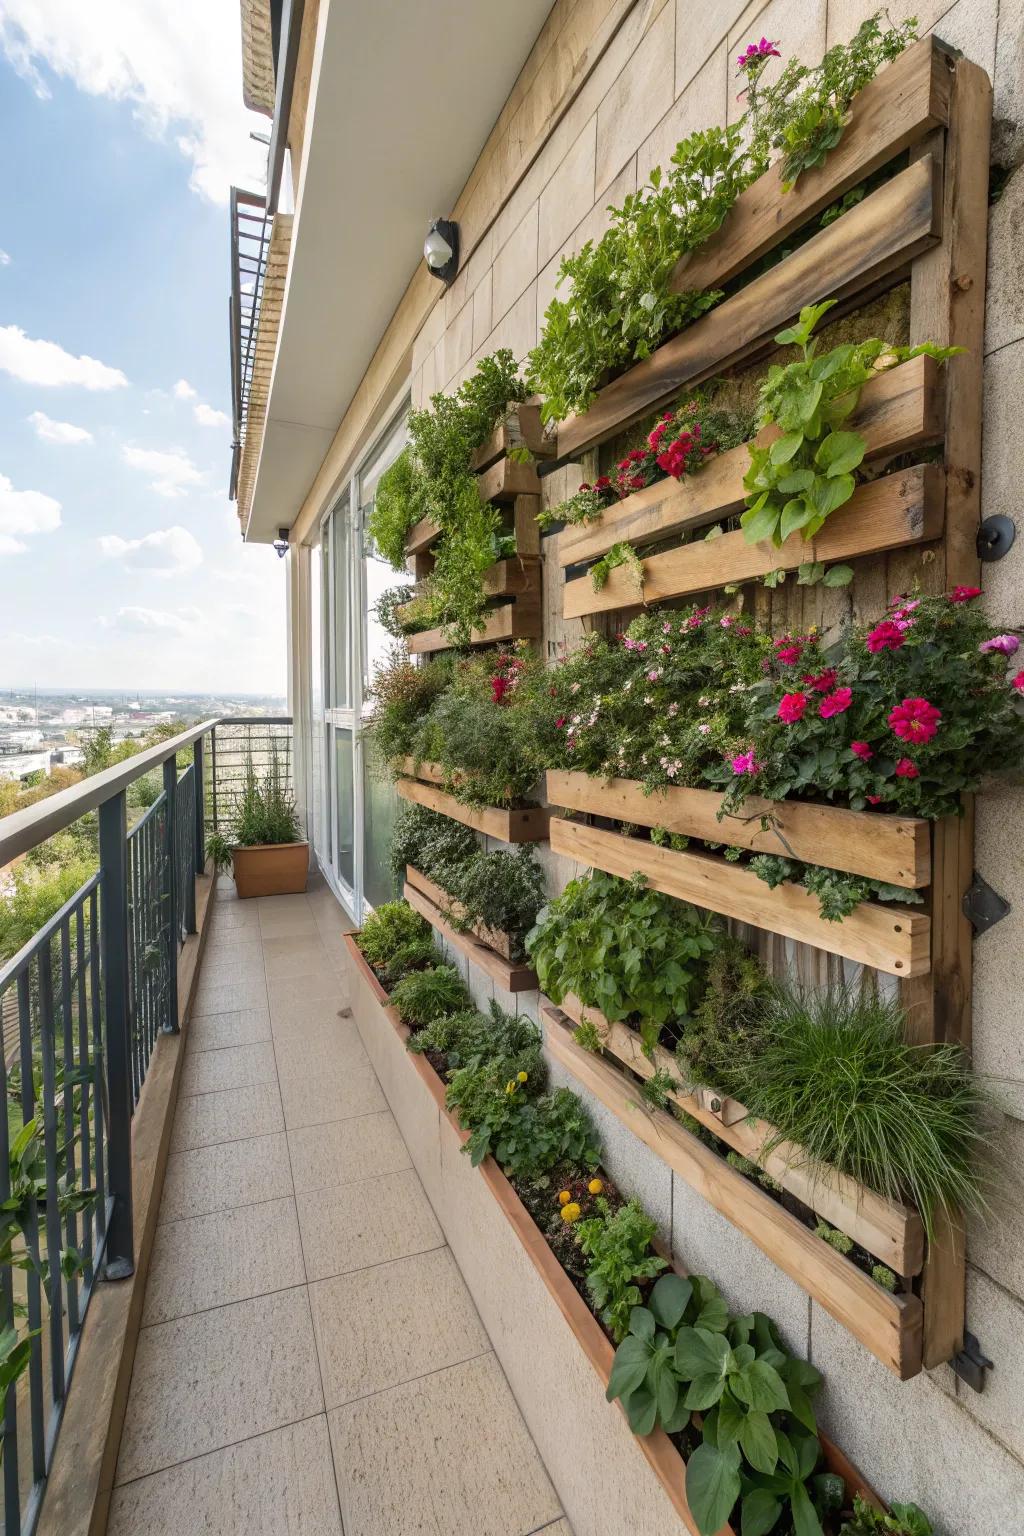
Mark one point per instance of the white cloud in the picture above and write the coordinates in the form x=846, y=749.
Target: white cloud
x=147, y=621
x=166, y=552
x=5, y=259
x=58, y=431
x=24, y=513
x=178, y=65
x=172, y=470
x=183, y=390
x=44, y=362
x=208, y=417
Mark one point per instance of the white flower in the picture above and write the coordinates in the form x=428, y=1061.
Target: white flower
x=703, y=701
x=673, y=710
x=704, y=729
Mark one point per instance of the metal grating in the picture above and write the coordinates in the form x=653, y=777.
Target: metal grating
x=250, y=246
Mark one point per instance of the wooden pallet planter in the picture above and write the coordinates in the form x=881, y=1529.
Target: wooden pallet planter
x=659, y=1451
x=894, y=849
x=526, y=826
x=887, y=938
x=520, y=619
x=521, y=428
x=891, y=1231
x=890, y=1326
x=509, y=975
x=494, y=938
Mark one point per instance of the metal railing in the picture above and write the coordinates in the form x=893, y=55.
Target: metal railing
x=89, y=996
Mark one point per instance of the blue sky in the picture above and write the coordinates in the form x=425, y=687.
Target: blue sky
x=122, y=562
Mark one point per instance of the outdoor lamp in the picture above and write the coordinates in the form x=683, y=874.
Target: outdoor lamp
x=441, y=249
x=281, y=543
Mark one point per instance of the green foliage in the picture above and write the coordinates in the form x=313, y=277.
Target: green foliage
x=621, y=554
x=626, y=950
x=219, y=850
x=835, y=1239
x=657, y=1088
x=33, y=899
x=589, y=1036
x=400, y=697
x=480, y=730
x=618, y=1245
x=398, y=505
x=503, y=889
x=882, y=1275
x=386, y=930
x=429, y=841
x=423, y=996
x=796, y=482
x=265, y=810
x=385, y=611
x=487, y=394
x=838, y=893
x=903, y=1520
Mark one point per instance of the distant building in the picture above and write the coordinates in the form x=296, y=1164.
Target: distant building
x=19, y=765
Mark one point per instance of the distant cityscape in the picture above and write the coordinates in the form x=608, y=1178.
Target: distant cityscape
x=43, y=728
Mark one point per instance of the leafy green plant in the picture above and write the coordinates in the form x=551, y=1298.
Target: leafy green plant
x=479, y=732
x=657, y=1088
x=797, y=481
x=398, y=505
x=386, y=611
x=423, y=996
x=882, y=1275
x=218, y=849
x=902, y=1520
x=621, y=948
x=620, y=555
x=429, y=841
x=388, y=929
x=265, y=811
x=503, y=890
x=400, y=699
x=835, y=1239
x=618, y=1245
x=838, y=893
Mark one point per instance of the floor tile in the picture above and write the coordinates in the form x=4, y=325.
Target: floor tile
x=300, y=925
x=212, y=1031
x=302, y=960
x=413, y=1461
x=232, y=1173
x=325, y=983
x=229, y=996
x=233, y=1066
x=332, y=1041
x=277, y=904
x=278, y=1484
x=376, y=1328
x=332, y=1091
x=357, y=1225
x=325, y=1155
x=302, y=1013
x=230, y=1115
x=208, y=1261
x=219, y=1377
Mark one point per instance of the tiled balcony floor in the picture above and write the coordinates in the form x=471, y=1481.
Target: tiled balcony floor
x=310, y=1361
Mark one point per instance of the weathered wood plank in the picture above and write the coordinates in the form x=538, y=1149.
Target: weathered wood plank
x=508, y=578
x=895, y=849
x=521, y=428
x=494, y=938
x=889, y=1326
x=898, y=411
x=899, y=107
x=889, y=939
x=506, y=480
x=421, y=536
x=514, y=978
x=880, y=236
x=899, y=509
x=520, y=620
x=529, y=826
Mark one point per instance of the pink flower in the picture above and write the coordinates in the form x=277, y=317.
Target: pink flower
x=792, y=706
x=964, y=594
x=1018, y=682
x=862, y=750
x=1006, y=645
x=788, y=654
x=836, y=703
x=823, y=682
x=756, y=53
x=873, y=799
x=652, y=677
x=915, y=720
x=746, y=762
x=559, y=722
x=905, y=769
x=887, y=636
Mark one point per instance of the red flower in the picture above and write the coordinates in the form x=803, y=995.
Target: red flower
x=1018, y=682
x=836, y=703
x=499, y=688
x=915, y=720
x=964, y=594
x=792, y=706
x=788, y=651
x=559, y=722
x=887, y=636
x=873, y=799
x=905, y=769
x=862, y=750
x=824, y=681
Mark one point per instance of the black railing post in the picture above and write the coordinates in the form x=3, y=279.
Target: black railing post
x=170, y=894
x=213, y=774
x=198, y=757
x=120, y=1251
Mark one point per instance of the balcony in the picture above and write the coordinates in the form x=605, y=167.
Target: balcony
x=255, y=1322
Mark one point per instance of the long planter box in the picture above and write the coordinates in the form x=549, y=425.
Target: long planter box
x=520, y=620
x=530, y=826
x=894, y=849
x=494, y=938
x=892, y=1232
x=512, y=977
x=902, y=509
x=884, y=937
x=544, y=1334
x=889, y=1326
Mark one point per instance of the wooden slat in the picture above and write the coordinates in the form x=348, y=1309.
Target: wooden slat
x=425, y=533
x=513, y=978
x=520, y=620
x=494, y=938
x=510, y=578
x=892, y=1232
x=529, y=826
x=895, y=849
x=899, y=107
x=897, y=510
x=506, y=480
x=521, y=428
x=899, y=411
x=877, y=237
x=430, y=773
x=889, y=1326
x=885, y=937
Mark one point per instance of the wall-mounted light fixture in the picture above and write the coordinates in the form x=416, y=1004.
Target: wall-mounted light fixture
x=441, y=249
x=281, y=543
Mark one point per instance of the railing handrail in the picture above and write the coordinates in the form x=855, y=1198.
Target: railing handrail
x=25, y=829
x=19, y=961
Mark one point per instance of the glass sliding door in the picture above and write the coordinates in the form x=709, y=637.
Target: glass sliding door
x=339, y=714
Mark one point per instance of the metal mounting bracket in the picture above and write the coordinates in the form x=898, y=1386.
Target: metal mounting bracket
x=982, y=906
x=971, y=1364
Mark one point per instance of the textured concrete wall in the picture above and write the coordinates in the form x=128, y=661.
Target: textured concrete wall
x=669, y=71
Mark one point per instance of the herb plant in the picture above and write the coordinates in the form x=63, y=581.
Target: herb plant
x=265, y=810
x=618, y=1246
x=902, y=1520
x=423, y=996
x=398, y=505
x=386, y=930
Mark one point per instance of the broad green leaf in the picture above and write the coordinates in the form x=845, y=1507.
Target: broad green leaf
x=757, y=1441
x=792, y=485
x=760, y=1386
x=641, y=1410
x=641, y=1324
x=805, y=1518
x=828, y=494
x=714, y=1314
x=712, y=1487
x=669, y=1299
x=840, y=452
x=810, y=573
x=699, y=1351
x=838, y=576
x=731, y=1418
x=795, y=515
x=760, y=520
x=628, y=1368
x=784, y=447
x=705, y=1391
x=761, y=1509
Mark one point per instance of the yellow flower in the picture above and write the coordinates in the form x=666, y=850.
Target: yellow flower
x=596, y=1186
x=564, y=1197
x=510, y=1086
x=522, y=1077
x=570, y=1213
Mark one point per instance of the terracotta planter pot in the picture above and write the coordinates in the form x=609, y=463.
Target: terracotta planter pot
x=272, y=869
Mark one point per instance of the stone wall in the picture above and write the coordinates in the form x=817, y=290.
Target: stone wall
x=668, y=71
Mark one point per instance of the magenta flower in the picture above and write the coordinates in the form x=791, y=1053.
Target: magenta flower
x=791, y=707
x=836, y=703
x=745, y=762
x=1006, y=645
x=905, y=769
x=915, y=720
x=789, y=653
x=887, y=636
x=1018, y=682
x=873, y=799
x=757, y=53
x=964, y=594
x=823, y=683
x=862, y=750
